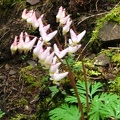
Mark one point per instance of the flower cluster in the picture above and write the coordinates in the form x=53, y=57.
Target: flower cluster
x=47, y=56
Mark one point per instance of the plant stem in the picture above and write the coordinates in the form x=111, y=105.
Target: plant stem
x=71, y=78
x=86, y=85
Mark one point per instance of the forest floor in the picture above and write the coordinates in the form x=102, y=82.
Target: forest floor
x=16, y=95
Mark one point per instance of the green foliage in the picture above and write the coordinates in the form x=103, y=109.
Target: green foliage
x=1, y=113
x=54, y=90
x=102, y=105
x=65, y=112
x=116, y=58
x=93, y=89
x=19, y=117
x=115, y=85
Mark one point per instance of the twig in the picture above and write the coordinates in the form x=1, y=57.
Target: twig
x=92, y=17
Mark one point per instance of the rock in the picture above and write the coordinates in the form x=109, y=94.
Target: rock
x=33, y=2
x=12, y=72
x=110, y=31
x=102, y=60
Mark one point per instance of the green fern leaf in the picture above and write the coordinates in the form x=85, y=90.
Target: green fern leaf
x=65, y=112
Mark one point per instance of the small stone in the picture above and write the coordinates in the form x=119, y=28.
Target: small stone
x=33, y=2
x=12, y=72
x=102, y=60
x=7, y=67
x=32, y=63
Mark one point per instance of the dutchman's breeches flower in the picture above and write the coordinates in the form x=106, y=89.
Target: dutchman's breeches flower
x=29, y=45
x=66, y=27
x=54, y=68
x=14, y=45
x=21, y=43
x=76, y=38
x=58, y=76
x=48, y=60
x=38, y=49
x=26, y=14
x=59, y=53
x=42, y=56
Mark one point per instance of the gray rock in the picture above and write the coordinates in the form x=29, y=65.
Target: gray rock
x=102, y=60
x=109, y=31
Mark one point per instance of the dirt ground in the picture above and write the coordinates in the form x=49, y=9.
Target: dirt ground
x=15, y=95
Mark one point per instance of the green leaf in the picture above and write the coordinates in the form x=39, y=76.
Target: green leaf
x=65, y=112
x=54, y=90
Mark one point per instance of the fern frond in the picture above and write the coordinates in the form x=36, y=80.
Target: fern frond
x=65, y=112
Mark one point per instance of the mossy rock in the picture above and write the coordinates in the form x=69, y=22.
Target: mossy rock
x=114, y=16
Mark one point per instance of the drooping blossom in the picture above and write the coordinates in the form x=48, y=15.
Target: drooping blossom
x=47, y=37
x=26, y=14
x=59, y=53
x=76, y=38
x=43, y=55
x=54, y=68
x=66, y=27
x=58, y=76
x=38, y=48
x=14, y=45
x=73, y=49
x=21, y=43
x=64, y=20
x=33, y=20
x=48, y=60
x=60, y=14
x=29, y=45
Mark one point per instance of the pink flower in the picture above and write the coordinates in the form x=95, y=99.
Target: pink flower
x=33, y=20
x=29, y=45
x=21, y=43
x=26, y=14
x=48, y=60
x=66, y=27
x=60, y=14
x=14, y=46
x=38, y=49
x=63, y=20
x=43, y=55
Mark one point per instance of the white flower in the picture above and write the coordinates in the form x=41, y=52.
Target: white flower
x=54, y=68
x=60, y=54
x=14, y=46
x=43, y=55
x=29, y=45
x=76, y=38
x=21, y=43
x=26, y=14
x=38, y=49
x=48, y=60
x=58, y=76
x=66, y=27
x=73, y=49
x=59, y=14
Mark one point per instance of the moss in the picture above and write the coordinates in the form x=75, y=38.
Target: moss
x=115, y=85
x=22, y=102
x=23, y=117
x=30, y=75
x=116, y=58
